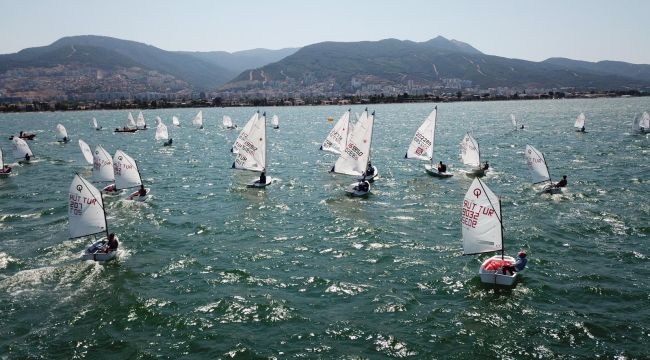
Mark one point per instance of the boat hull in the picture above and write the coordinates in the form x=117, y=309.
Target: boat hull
x=550, y=189
x=354, y=191
x=94, y=252
x=491, y=272
x=135, y=196
x=475, y=173
x=257, y=184
x=375, y=175
x=435, y=173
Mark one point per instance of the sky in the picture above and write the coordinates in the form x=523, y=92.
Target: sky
x=590, y=30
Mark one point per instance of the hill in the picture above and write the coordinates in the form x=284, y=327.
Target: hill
x=363, y=67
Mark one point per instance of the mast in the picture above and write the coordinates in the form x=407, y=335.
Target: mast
x=433, y=138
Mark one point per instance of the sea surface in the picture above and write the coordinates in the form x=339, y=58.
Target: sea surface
x=210, y=269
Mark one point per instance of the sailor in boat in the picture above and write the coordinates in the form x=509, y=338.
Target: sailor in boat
x=582, y=129
x=522, y=127
x=142, y=191
x=363, y=185
x=370, y=171
x=486, y=166
x=27, y=157
x=442, y=167
x=519, y=265
x=6, y=169
x=65, y=139
x=562, y=183
x=168, y=142
x=112, y=244
x=262, y=179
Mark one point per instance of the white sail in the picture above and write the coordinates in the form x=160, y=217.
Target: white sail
x=252, y=152
x=85, y=150
x=140, y=123
x=20, y=148
x=481, y=220
x=243, y=134
x=126, y=171
x=198, y=119
x=63, y=133
x=161, y=132
x=422, y=144
x=86, y=209
x=227, y=122
x=644, y=121
x=2, y=160
x=514, y=120
x=336, y=139
x=95, y=125
x=354, y=158
x=175, y=121
x=102, y=165
x=537, y=165
x=469, y=151
x=275, y=121
x=580, y=121
x=130, y=122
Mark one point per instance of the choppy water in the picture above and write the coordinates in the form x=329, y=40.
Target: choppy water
x=212, y=269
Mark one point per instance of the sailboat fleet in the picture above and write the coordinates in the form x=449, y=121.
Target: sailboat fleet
x=481, y=221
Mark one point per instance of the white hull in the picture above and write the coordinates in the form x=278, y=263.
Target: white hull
x=353, y=190
x=491, y=273
x=433, y=171
x=375, y=175
x=95, y=252
x=475, y=173
x=550, y=189
x=4, y=175
x=257, y=184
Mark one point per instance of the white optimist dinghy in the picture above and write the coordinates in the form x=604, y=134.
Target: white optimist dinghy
x=539, y=170
x=87, y=217
x=127, y=175
x=482, y=230
x=471, y=155
x=421, y=146
x=251, y=154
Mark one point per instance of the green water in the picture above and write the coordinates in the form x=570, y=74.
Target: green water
x=210, y=269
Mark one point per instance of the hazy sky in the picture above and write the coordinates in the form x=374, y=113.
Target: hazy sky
x=589, y=30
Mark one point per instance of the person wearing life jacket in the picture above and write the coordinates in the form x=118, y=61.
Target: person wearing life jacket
x=519, y=265
x=442, y=167
x=561, y=183
x=6, y=169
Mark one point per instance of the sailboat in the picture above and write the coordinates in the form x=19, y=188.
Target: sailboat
x=539, y=170
x=103, y=171
x=482, y=229
x=579, y=125
x=175, y=121
x=140, y=123
x=96, y=125
x=130, y=125
x=127, y=175
x=63, y=134
x=336, y=139
x=514, y=122
x=198, y=120
x=275, y=121
x=642, y=125
x=252, y=153
x=354, y=160
x=470, y=155
x=87, y=217
x=85, y=150
x=227, y=122
x=21, y=150
x=162, y=133
x=421, y=146
x=5, y=170
x=243, y=134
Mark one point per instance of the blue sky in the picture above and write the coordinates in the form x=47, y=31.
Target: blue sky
x=532, y=30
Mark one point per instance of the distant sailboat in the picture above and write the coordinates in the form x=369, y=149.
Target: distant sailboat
x=275, y=121
x=96, y=125
x=579, y=125
x=642, y=125
x=175, y=121
x=539, y=170
x=337, y=137
x=470, y=155
x=162, y=133
x=421, y=146
x=514, y=122
x=5, y=170
x=127, y=175
x=252, y=154
x=63, y=134
x=103, y=171
x=21, y=150
x=130, y=125
x=140, y=123
x=198, y=120
x=227, y=122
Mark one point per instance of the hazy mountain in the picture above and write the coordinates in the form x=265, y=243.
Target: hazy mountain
x=639, y=71
x=239, y=61
x=341, y=66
